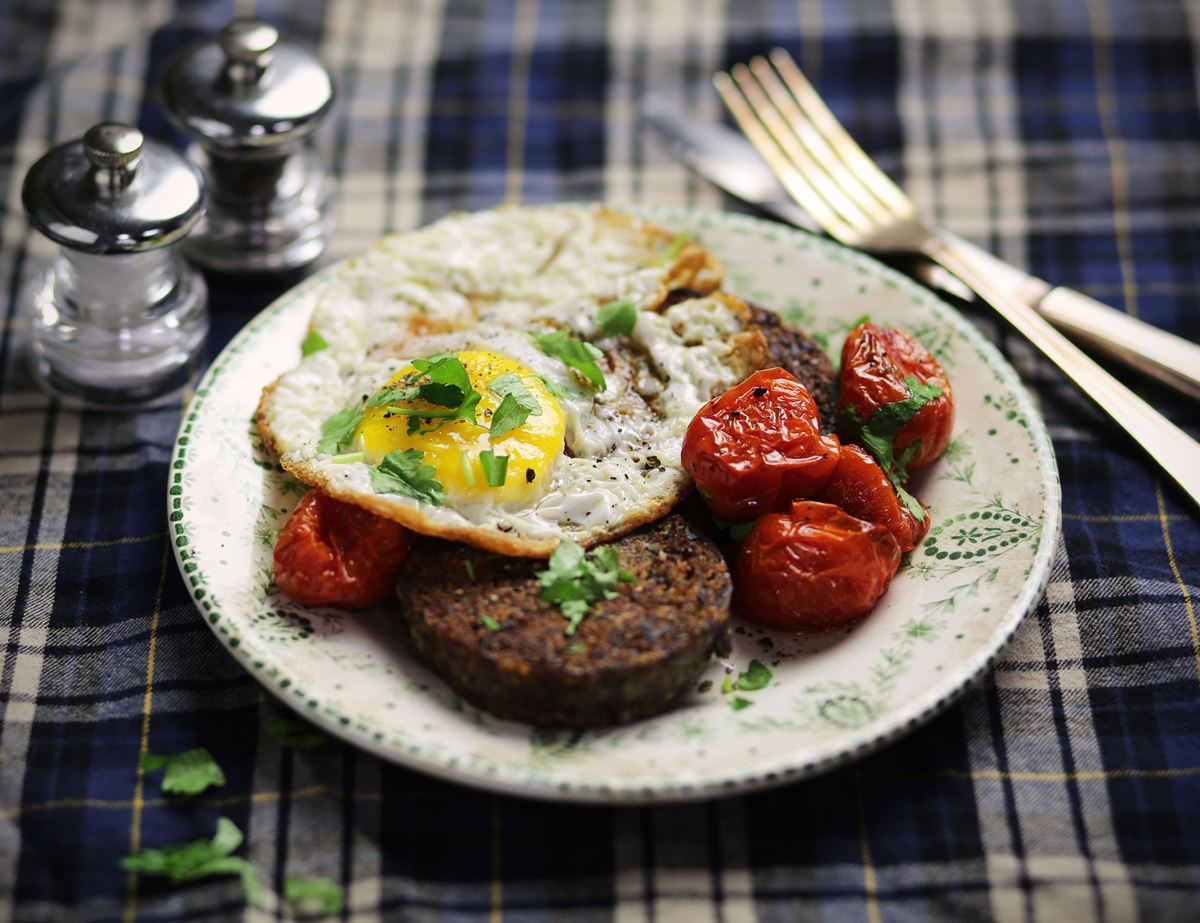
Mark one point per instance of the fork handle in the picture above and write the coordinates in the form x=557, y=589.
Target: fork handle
x=1177, y=453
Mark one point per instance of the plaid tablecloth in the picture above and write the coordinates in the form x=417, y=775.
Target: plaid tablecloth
x=1064, y=134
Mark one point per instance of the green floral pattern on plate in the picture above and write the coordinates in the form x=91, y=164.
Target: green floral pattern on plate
x=959, y=597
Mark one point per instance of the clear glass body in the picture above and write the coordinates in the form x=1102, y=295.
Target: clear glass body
x=117, y=332
x=265, y=215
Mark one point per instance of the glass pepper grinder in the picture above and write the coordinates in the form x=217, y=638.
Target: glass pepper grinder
x=251, y=102
x=119, y=318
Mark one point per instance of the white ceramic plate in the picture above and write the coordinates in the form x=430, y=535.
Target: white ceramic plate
x=984, y=565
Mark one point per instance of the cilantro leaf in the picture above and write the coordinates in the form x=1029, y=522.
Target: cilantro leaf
x=878, y=435
x=313, y=343
x=315, y=897
x=402, y=472
x=727, y=686
x=393, y=396
x=510, y=383
x=575, y=579
x=575, y=354
x=617, y=318
x=464, y=411
x=488, y=622
x=756, y=677
x=738, y=531
x=187, y=773
x=288, y=732
x=495, y=467
x=199, y=859
x=557, y=390
x=737, y=703
x=675, y=248
x=507, y=417
x=338, y=430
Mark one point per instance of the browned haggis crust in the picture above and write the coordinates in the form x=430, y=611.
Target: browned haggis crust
x=630, y=658
x=796, y=352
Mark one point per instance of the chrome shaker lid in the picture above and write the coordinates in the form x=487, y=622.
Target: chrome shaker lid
x=246, y=91
x=113, y=191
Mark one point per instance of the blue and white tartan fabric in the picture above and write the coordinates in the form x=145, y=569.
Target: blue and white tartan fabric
x=1062, y=134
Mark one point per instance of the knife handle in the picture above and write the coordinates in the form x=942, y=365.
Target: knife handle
x=1161, y=355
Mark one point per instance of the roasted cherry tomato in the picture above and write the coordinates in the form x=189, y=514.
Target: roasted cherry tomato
x=812, y=568
x=875, y=363
x=758, y=447
x=860, y=487
x=336, y=554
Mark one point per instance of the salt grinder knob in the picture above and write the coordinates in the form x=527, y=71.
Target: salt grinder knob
x=250, y=102
x=118, y=319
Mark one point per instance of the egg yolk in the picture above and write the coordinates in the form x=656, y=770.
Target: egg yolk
x=453, y=449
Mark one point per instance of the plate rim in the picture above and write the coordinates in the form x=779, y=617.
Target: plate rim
x=530, y=782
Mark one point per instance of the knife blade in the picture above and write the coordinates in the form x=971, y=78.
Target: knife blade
x=727, y=160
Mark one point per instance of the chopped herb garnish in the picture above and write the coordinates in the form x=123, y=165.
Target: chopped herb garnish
x=470, y=569
x=313, y=343
x=756, y=677
x=507, y=417
x=563, y=394
x=402, y=472
x=878, y=435
x=675, y=247
x=577, y=648
x=187, y=773
x=448, y=388
x=201, y=859
x=575, y=579
x=737, y=703
x=727, y=686
x=393, y=396
x=488, y=622
x=575, y=354
x=617, y=318
x=288, y=732
x=738, y=531
x=468, y=472
x=495, y=467
x=338, y=430
x=348, y=458
x=315, y=897
x=510, y=383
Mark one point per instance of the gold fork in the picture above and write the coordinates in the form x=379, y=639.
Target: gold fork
x=833, y=179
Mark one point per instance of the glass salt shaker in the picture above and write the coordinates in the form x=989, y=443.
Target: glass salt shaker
x=250, y=102
x=118, y=320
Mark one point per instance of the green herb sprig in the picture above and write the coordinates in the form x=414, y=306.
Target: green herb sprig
x=878, y=435
x=617, y=318
x=403, y=472
x=200, y=859
x=575, y=579
x=575, y=354
x=313, y=343
x=338, y=430
x=187, y=773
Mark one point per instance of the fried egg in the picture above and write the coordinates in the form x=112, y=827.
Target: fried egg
x=431, y=332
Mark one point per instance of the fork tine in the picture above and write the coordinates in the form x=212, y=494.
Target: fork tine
x=748, y=118
x=784, y=132
x=821, y=154
x=839, y=139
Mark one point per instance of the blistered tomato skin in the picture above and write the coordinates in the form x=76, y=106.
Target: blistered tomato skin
x=875, y=362
x=758, y=447
x=813, y=568
x=860, y=487
x=331, y=553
